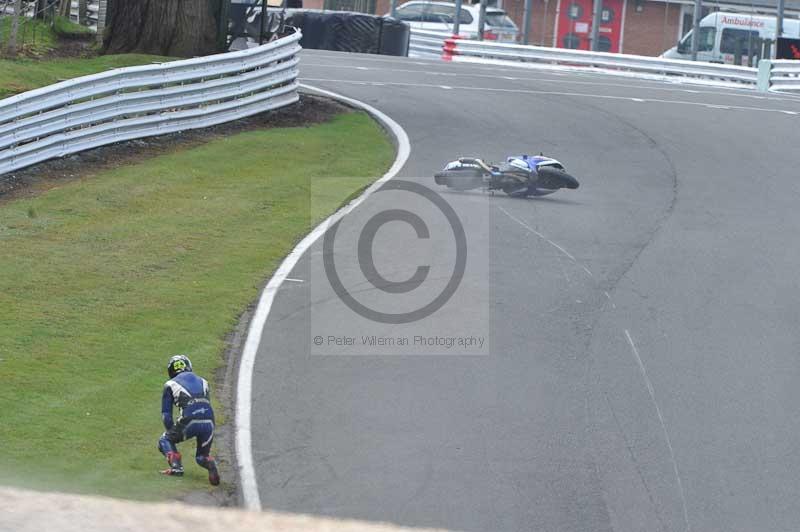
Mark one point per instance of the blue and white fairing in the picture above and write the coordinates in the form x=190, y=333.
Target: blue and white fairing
x=534, y=161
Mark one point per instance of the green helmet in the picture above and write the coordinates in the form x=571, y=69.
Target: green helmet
x=178, y=364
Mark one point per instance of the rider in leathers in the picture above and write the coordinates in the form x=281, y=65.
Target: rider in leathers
x=190, y=393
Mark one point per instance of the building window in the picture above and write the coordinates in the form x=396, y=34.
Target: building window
x=571, y=41
x=575, y=11
x=603, y=44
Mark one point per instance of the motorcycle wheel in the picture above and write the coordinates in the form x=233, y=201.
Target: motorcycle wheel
x=555, y=178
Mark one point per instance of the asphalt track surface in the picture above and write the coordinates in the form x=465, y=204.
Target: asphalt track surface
x=641, y=367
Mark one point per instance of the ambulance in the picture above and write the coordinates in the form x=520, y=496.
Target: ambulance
x=722, y=34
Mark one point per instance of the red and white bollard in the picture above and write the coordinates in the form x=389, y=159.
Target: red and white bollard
x=449, y=48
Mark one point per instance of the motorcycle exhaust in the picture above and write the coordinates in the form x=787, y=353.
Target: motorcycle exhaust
x=466, y=179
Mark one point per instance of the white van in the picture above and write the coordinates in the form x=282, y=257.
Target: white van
x=722, y=33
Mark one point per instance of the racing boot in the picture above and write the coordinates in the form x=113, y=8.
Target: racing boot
x=175, y=465
x=213, y=473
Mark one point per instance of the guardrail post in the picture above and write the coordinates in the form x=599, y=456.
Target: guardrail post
x=766, y=50
x=764, y=72
x=449, y=48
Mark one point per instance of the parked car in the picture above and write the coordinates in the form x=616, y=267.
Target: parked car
x=439, y=16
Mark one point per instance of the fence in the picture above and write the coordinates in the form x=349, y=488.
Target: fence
x=29, y=6
x=7, y=8
x=136, y=102
x=32, y=24
x=90, y=16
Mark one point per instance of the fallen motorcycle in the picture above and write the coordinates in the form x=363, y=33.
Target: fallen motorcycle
x=520, y=176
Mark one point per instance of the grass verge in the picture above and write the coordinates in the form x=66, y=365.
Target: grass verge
x=36, y=67
x=64, y=27
x=105, y=277
x=40, y=37
x=25, y=74
x=34, y=37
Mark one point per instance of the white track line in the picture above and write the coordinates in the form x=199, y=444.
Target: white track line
x=244, y=387
x=608, y=296
x=652, y=85
x=663, y=426
x=540, y=235
x=558, y=93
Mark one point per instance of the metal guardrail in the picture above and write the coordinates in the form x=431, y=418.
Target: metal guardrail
x=92, y=12
x=7, y=8
x=631, y=63
x=424, y=44
x=779, y=75
x=135, y=102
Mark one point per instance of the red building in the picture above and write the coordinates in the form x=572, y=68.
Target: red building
x=643, y=27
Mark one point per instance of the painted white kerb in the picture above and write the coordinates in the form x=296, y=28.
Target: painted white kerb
x=244, y=387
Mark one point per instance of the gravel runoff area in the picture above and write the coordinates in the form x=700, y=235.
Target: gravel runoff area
x=29, y=511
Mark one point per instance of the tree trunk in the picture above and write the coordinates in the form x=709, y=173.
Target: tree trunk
x=82, y=18
x=64, y=8
x=182, y=28
x=12, y=36
x=40, y=11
